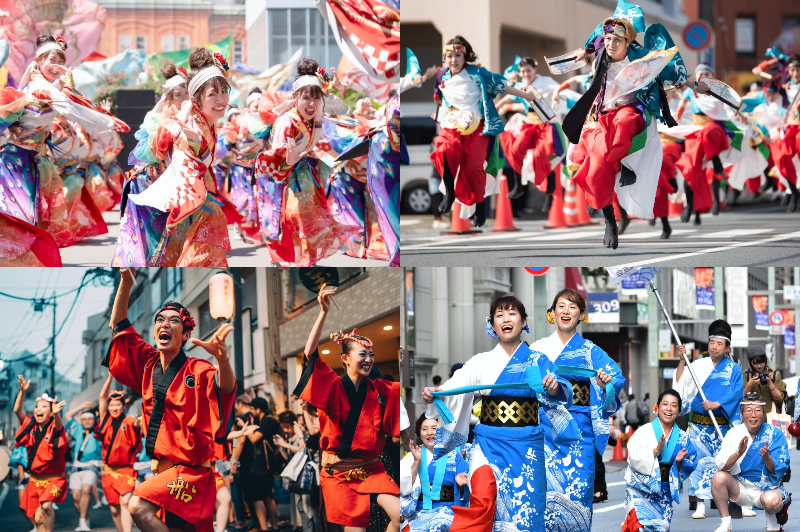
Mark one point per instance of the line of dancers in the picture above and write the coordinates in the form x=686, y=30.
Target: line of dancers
x=270, y=169
x=620, y=133
x=544, y=409
x=185, y=428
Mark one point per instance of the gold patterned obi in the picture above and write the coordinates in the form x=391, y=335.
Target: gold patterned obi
x=581, y=394
x=533, y=117
x=664, y=468
x=447, y=494
x=700, y=419
x=162, y=464
x=700, y=119
x=509, y=411
x=348, y=465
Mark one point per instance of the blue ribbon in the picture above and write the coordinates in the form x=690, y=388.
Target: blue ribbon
x=574, y=371
x=669, y=447
x=432, y=493
x=533, y=378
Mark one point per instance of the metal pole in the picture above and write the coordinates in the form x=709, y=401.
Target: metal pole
x=238, y=343
x=53, y=352
x=685, y=355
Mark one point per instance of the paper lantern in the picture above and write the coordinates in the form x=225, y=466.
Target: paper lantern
x=220, y=296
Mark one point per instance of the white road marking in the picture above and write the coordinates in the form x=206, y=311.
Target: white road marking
x=778, y=238
x=409, y=222
x=610, y=508
x=576, y=235
x=733, y=233
x=621, y=483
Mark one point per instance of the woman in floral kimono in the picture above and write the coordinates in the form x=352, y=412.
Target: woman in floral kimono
x=660, y=457
x=248, y=133
x=296, y=219
x=427, y=492
x=141, y=226
x=104, y=176
x=33, y=214
x=71, y=146
x=507, y=460
x=596, y=381
x=196, y=232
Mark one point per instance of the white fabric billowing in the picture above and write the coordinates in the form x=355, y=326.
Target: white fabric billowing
x=730, y=445
x=552, y=346
x=404, y=421
x=638, y=199
x=640, y=450
x=750, y=164
x=685, y=386
x=712, y=107
x=546, y=85
x=463, y=93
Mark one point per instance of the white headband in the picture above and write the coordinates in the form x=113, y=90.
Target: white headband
x=308, y=79
x=46, y=47
x=87, y=414
x=252, y=97
x=743, y=403
x=173, y=82
x=203, y=76
x=723, y=337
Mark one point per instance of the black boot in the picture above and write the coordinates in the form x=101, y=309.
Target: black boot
x=611, y=237
x=794, y=199
x=625, y=220
x=733, y=195
x=548, y=202
x=666, y=229
x=769, y=183
x=686, y=215
x=785, y=199
x=652, y=222
x=516, y=190
x=479, y=218
x=697, y=218
x=715, y=196
x=551, y=183
x=450, y=187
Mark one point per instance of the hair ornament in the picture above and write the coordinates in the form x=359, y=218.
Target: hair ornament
x=342, y=337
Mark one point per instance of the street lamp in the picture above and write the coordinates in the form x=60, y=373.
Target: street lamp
x=224, y=303
x=221, y=301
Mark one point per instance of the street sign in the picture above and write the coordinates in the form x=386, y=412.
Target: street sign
x=777, y=330
x=791, y=292
x=537, y=271
x=697, y=35
x=776, y=318
x=603, y=307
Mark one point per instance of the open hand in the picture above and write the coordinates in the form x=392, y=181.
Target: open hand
x=660, y=447
x=742, y=447
x=681, y=454
x=764, y=453
x=337, y=83
x=216, y=345
x=23, y=386
x=462, y=479
x=58, y=406
x=416, y=451
x=324, y=297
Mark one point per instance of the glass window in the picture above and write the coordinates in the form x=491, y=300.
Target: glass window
x=136, y=309
x=44, y=373
x=238, y=50
x=207, y=324
x=156, y=293
x=250, y=291
x=183, y=42
x=141, y=43
x=295, y=295
x=279, y=36
x=174, y=282
x=299, y=31
x=745, y=35
x=125, y=43
x=167, y=43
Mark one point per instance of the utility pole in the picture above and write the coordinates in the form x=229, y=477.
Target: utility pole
x=238, y=343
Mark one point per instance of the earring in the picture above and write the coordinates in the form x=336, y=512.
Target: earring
x=585, y=319
x=550, y=319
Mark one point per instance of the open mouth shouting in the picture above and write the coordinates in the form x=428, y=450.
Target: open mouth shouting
x=365, y=367
x=507, y=328
x=164, y=337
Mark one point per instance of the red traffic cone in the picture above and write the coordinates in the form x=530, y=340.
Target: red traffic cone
x=457, y=225
x=555, y=219
x=582, y=207
x=618, y=452
x=570, y=204
x=675, y=208
x=503, y=218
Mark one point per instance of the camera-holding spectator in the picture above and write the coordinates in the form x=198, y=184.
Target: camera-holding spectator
x=762, y=380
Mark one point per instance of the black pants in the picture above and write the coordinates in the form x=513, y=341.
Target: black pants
x=599, y=474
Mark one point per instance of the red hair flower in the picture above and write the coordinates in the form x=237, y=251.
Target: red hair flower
x=182, y=72
x=221, y=62
x=61, y=42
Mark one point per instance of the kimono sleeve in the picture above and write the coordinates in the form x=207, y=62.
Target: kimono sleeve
x=734, y=392
x=21, y=436
x=779, y=452
x=272, y=161
x=640, y=451
x=656, y=37
x=105, y=423
x=495, y=83
x=59, y=439
x=391, y=416
x=154, y=137
x=730, y=444
x=128, y=355
x=319, y=385
x=686, y=387
x=409, y=491
x=601, y=360
x=689, y=462
x=220, y=403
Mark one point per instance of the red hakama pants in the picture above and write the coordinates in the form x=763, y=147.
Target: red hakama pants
x=347, y=493
x=117, y=482
x=601, y=150
x=465, y=155
x=46, y=488
x=672, y=152
x=699, y=148
x=536, y=137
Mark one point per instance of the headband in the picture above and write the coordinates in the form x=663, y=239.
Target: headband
x=753, y=403
x=717, y=336
x=187, y=320
x=341, y=337
x=253, y=97
x=202, y=76
x=621, y=27
x=174, y=81
x=87, y=414
x=50, y=45
x=703, y=66
x=320, y=79
x=458, y=48
x=616, y=29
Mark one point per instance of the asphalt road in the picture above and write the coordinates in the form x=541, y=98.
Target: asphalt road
x=608, y=516
x=99, y=250
x=752, y=235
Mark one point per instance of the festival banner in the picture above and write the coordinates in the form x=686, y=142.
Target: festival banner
x=760, y=310
x=603, y=307
x=704, y=281
x=634, y=285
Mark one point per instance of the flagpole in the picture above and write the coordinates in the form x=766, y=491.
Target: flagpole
x=685, y=356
